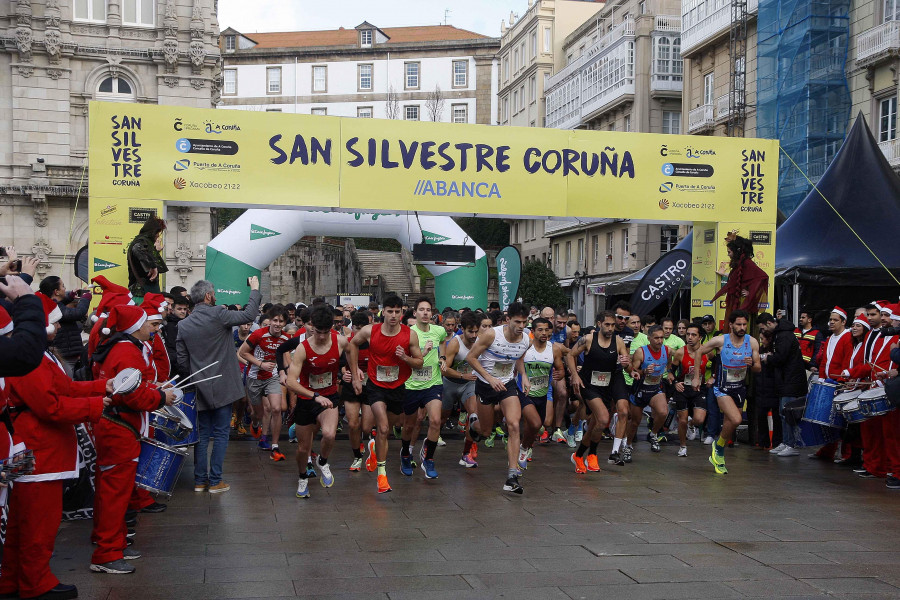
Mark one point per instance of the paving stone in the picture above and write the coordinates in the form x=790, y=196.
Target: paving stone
x=652, y=591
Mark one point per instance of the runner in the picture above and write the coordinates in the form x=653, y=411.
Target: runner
x=559, y=393
x=496, y=353
x=393, y=353
x=424, y=389
x=649, y=364
x=313, y=376
x=459, y=379
x=687, y=399
x=540, y=360
x=259, y=351
x=356, y=404
x=738, y=352
x=605, y=357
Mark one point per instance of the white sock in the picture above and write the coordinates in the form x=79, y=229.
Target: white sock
x=616, y=443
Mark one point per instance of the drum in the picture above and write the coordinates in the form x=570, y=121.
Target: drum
x=172, y=421
x=813, y=434
x=852, y=413
x=189, y=409
x=874, y=403
x=793, y=411
x=158, y=467
x=820, y=407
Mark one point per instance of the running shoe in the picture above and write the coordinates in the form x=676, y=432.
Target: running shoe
x=474, y=451
x=463, y=417
x=708, y=440
x=303, y=488
x=570, y=440
x=499, y=431
x=615, y=459
x=468, y=461
x=692, y=433
x=530, y=453
x=310, y=471
x=383, y=486
x=545, y=437
x=276, y=455
x=662, y=437
x=719, y=467
x=512, y=485
x=579, y=464
x=441, y=441
x=406, y=465
x=116, y=567
x=371, y=460
x=428, y=467
x=422, y=454
x=340, y=427
x=241, y=430
x=255, y=431
x=654, y=443
x=682, y=451
x=558, y=436
x=397, y=432
x=523, y=458
x=489, y=442
x=591, y=463
x=357, y=464
x=327, y=479
x=264, y=444
x=292, y=433
x=233, y=421
x=579, y=433
x=627, y=451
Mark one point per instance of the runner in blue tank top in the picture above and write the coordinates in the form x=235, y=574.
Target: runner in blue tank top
x=648, y=366
x=739, y=353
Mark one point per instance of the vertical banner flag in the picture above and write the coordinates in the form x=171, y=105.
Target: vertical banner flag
x=661, y=281
x=509, y=273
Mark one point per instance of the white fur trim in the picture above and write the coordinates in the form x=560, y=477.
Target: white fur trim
x=94, y=318
x=6, y=329
x=55, y=315
x=154, y=317
x=105, y=331
x=50, y=328
x=140, y=322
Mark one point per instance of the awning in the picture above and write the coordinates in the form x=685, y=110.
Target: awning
x=566, y=282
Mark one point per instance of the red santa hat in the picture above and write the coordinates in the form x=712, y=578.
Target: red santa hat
x=125, y=318
x=6, y=324
x=840, y=311
x=895, y=311
x=113, y=295
x=51, y=311
x=154, y=305
x=879, y=304
x=862, y=320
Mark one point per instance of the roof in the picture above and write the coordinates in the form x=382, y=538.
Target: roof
x=349, y=37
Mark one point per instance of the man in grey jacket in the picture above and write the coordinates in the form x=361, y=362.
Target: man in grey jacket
x=205, y=337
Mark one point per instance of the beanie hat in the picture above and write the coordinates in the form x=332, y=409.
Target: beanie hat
x=125, y=318
x=51, y=311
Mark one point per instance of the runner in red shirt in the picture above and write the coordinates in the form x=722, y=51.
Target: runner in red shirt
x=393, y=353
x=314, y=375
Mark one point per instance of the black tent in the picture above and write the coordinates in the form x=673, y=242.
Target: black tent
x=815, y=248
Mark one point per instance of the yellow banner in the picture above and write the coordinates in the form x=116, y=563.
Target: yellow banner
x=221, y=157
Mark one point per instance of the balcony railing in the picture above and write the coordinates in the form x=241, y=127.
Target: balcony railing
x=694, y=34
x=879, y=41
x=668, y=23
x=891, y=151
x=623, y=29
x=701, y=117
x=665, y=82
x=723, y=107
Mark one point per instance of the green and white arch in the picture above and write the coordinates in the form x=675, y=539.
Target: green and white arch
x=260, y=236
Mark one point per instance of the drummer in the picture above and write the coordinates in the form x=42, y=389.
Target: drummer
x=118, y=434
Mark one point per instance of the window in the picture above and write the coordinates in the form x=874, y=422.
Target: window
x=319, y=110
x=273, y=80
x=667, y=62
x=273, y=110
x=365, y=38
x=115, y=89
x=460, y=73
x=740, y=75
x=580, y=263
x=523, y=55
x=887, y=119
x=504, y=115
x=515, y=105
x=555, y=257
x=522, y=96
x=365, y=78
x=708, y=88
x=609, y=251
x=138, y=12
x=642, y=8
x=320, y=79
x=364, y=112
x=624, y=244
x=229, y=43
x=547, y=40
x=595, y=249
x=627, y=122
x=460, y=113
x=891, y=10
x=411, y=80
x=90, y=10
x=543, y=258
x=533, y=43
x=671, y=122
x=411, y=113
x=568, y=257
x=505, y=68
x=230, y=88
x=668, y=238
x=515, y=61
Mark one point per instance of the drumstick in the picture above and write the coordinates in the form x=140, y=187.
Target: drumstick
x=171, y=381
x=199, y=371
x=201, y=381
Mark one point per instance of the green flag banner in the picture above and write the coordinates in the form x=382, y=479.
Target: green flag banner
x=509, y=273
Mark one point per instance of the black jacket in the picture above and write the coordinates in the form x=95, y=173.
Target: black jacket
x=23, y=352
x=170, y=334
x=142, y=258
x=788, y=361
x=768, y=386
x=68, y=338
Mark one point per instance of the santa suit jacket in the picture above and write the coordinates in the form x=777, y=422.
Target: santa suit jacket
x=834, y=357
x=160, y=358
x=117, y=444
x=45, y=406
x=881, y=356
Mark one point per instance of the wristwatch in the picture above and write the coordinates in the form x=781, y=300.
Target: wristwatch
x=315, y=395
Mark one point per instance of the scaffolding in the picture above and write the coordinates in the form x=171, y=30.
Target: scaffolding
x=802, y=96
x=737, y=52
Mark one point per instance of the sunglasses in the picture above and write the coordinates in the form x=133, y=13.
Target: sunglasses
x=621, y=317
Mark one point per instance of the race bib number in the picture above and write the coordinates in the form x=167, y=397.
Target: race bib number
x=386, y=373
x=463, y=368
x=503, y=370
x=735, y=374
x=600, y=378
x=320, y=381
x=539, y=384
x=423, y=374
x=365, y=378
x=652, y=379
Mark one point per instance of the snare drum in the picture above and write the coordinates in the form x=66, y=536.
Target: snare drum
x=852, y=413
x=171, y=421
x=820, y=407
x=158, y=467
x=874, y=403
x=189, y=409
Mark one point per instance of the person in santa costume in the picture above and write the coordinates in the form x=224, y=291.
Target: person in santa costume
x=6, y=441
x=112, y=295
x=118, y=434
x=44, y=407
x=835, y=354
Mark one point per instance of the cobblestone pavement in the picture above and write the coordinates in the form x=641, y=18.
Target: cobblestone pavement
x=662, y=527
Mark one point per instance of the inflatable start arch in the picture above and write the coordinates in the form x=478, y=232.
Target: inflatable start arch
x=260, y=236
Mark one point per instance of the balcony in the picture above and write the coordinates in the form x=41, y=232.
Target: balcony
x=723, y=106
x=668, y=23
x=664, y=82
x=706, y=20
x=877, y=43
x=891, y=151
x=701, y=118
x=622, y=30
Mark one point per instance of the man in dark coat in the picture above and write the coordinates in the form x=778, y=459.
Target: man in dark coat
x=68, y=338
x=24, y=350
x=790, y=372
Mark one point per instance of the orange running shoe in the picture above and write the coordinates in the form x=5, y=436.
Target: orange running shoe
x=371, y=461
x=383, y=486
x=592, y=465
x=473, y=451
x=277, y=456
x=579, y=464
x=255, y=431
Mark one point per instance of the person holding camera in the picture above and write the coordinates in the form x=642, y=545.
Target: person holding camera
x=24, y=350
x=68, y=342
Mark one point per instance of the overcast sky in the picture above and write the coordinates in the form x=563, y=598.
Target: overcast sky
x=480, y=16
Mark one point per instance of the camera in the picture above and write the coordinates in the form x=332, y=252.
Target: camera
x=16, y=265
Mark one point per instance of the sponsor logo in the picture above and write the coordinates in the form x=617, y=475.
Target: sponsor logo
x=217, y=166
x=695, y=303
x=687, y=170
x=228, y=292
x=664, y=150
x=182, y=165
x=462, y=297
x=761, y=237
x=257, y=232
x=721, y=304
x=105, y=212
x=180, y=125
x=709, y=236
x=764, y=305
x=109, y=241
x=217, y=129
x=140, y=215
x=428, y=187
x=433, y=238
x=196, y=146
x=664, y=283
x=695, y=281
x=666, y=186
x=664, y=204
x=179, y=183
x=694, y=187
x=698, y=152
x=707, y=303
x=102, y=265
